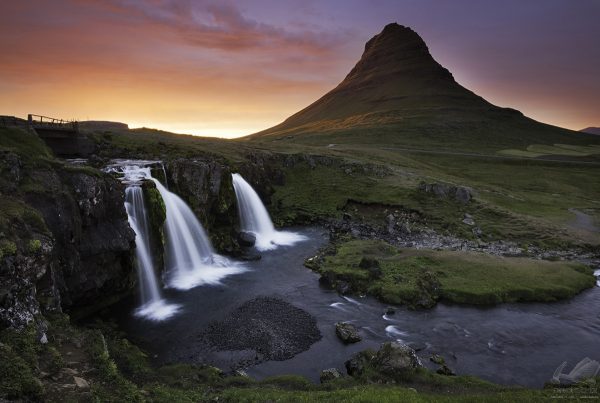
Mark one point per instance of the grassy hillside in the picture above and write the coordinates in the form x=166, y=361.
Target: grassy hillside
x=528, y=200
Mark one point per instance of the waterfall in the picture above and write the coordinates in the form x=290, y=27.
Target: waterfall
x=165, y=175
x=255, y=219
x=190, y=259
x=153, y=306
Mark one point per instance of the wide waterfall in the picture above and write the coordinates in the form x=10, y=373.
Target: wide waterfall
x=190, y=259
x=255, y=218
x=153, y=306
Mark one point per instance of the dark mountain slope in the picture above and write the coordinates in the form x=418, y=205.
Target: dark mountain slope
x=397, y=94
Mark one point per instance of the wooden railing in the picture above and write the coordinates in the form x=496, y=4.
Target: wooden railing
x=45, y=122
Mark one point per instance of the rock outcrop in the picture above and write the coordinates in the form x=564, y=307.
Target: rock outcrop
x=391, y=360
x=65, y=241
x=445, y=191
x=93, y=240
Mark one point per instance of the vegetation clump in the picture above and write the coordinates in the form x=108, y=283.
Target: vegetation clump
x=420, y=278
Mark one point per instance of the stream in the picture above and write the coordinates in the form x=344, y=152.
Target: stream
x=508, y=344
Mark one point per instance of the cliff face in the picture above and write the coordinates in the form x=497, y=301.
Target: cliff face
x=65, y=242
x=93, y=240
x=205, y=184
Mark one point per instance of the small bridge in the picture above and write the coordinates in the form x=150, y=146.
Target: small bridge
x=62, y=136
x=39, y=122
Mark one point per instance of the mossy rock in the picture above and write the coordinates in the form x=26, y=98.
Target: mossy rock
x=157, y=215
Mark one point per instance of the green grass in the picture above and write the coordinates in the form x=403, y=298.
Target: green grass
x=419, y=278
x=118, y=370
x=150, y=143
x=24, y=143
x=521, y=199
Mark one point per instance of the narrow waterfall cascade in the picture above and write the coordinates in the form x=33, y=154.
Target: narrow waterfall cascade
x=153, y=305
x=255, y=219
x=190, y=259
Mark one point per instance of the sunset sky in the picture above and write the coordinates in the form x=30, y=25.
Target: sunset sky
x=228, y=68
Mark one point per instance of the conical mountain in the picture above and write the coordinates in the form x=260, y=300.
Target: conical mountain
x=397, y=94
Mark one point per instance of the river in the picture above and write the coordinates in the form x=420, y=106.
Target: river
x=508, y=344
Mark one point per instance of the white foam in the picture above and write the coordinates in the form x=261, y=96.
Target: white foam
x=157, y=310
x=205, y=274
x=393, y=330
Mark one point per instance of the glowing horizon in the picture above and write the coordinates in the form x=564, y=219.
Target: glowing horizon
x=229, y=69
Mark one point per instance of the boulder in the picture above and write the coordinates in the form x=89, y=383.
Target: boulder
x=347, y=332
x=446, y=191
x=355, y=366
x=463, y=195
x=246, y=239
x=468, y=219
x=390, y=310
x=329, y=375
x=444, y=370
x=437, y=359
x=394, y=358
x=81, y=383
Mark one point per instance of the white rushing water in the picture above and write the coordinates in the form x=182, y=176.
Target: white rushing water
x=255, y=219
x=153, y=305
x=190, y=259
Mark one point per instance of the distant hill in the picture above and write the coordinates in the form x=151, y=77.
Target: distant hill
x=102, y=125
x=397, y=94
x=591, y=130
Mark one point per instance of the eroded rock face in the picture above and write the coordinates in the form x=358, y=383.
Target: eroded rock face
x=19, y=274
x=68, y=243
x=93, y=249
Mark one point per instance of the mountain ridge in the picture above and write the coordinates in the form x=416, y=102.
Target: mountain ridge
x=591, y=130
x=398, y=94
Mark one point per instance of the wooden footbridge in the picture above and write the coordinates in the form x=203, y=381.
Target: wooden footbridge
x=38, y=122
x=62, y=136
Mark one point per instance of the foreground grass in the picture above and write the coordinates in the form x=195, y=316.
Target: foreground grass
x=117, y=370
x=419, y=278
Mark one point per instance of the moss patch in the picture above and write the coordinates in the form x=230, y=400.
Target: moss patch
x=419, y=278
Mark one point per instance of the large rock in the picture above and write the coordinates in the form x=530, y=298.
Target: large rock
x=356, y=365
x=347, y=332
x=446, y=191
x=330, y=374
x=393, y=358
x=246, y=239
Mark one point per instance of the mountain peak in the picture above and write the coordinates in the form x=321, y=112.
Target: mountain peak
x=398, y=50
x=396, y=33
x=396, y=81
